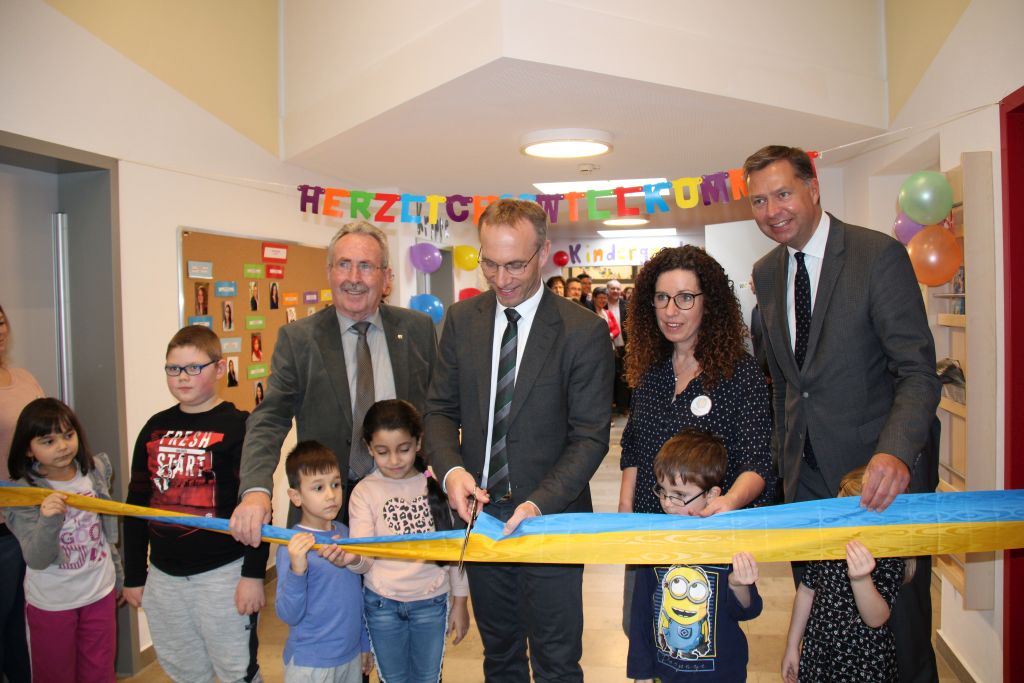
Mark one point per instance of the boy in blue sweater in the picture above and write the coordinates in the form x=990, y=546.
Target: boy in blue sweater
x=685, y=618
x=321, y=602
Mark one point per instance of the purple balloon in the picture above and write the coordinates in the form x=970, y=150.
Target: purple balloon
x=905, y=228
x=425, y=257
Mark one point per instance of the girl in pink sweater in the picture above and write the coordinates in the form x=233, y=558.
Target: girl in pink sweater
x=406, y=602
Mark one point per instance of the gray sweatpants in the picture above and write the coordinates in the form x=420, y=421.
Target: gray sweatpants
x=197, y=631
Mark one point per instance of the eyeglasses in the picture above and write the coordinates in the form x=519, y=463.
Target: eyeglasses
x=514, y=268
x=192, y=369
x=680, y=588
x=364, y=267
x=683, y=300
x=676, y=500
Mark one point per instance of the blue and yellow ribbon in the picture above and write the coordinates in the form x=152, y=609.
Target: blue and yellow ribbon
x=915, y=524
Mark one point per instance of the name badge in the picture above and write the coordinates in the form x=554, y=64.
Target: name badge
x=701, y=405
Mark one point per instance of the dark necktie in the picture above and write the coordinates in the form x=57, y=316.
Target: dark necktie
x=802, y=301
x=497, y=472
x=359, y=461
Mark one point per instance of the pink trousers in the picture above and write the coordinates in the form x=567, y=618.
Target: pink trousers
x=74, y=644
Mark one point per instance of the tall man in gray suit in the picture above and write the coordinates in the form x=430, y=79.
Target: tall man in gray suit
x=852, y=363
x=527, y=376
x=327, y=369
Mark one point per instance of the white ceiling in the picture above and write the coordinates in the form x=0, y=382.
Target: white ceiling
x=463, y=136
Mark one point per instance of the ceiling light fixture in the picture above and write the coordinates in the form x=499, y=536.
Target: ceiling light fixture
x=649, y=232
x=566, y=143
x=625, y=222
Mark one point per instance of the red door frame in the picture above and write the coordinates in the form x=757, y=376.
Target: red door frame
x=1011, y=124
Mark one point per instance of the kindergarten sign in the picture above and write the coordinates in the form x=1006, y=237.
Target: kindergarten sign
x=721, y=187
x=634, y=251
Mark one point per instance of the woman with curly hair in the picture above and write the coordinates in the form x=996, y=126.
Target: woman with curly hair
x=688, y=363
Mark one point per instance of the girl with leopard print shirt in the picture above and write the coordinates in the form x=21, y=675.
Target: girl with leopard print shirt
x=406, y=602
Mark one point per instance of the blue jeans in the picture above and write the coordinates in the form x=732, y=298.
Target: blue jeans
x=407, y=637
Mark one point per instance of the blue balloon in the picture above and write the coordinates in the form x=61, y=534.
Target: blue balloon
x=429, y=304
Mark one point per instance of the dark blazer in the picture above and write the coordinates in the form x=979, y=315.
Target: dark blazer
x=868, y=383
x=561, y=409
x=308, y=381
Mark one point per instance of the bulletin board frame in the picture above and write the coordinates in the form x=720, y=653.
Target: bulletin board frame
x=244, y=273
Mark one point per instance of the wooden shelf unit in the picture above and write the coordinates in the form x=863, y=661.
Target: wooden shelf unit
x=968, y=448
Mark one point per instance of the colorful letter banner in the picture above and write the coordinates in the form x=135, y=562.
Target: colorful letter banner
x=915, y=524
x=686, y=193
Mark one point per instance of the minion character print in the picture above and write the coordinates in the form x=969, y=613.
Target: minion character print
x=685, y=624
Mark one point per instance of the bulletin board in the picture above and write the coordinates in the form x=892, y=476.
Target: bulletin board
x=245, y=290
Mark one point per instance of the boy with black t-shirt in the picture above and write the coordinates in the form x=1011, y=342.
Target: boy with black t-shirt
x=204, y=590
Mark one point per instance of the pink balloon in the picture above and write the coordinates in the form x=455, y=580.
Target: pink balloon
x=905, y=229
x=468, y=293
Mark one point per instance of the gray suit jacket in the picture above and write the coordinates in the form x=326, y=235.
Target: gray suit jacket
x=561, y=409
x=868, y=383
x=308, y=381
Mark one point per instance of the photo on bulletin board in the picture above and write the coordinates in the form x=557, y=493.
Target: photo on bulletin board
x=310, y=310
x=256, y=347
x=275, y=297
x=202, y=298
x=227, y=316
x=254, y=296
x=258, y=393
x=247, y=336
x=232, y=371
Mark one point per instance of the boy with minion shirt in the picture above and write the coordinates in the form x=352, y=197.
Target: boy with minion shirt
x=685, y=618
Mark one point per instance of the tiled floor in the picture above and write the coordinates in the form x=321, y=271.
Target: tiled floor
x=604, y=645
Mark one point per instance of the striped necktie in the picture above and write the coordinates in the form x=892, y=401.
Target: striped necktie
x=497, y=473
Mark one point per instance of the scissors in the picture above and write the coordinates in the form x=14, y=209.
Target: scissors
x=469, y=527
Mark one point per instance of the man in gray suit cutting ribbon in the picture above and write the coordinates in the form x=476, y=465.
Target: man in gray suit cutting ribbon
x=527, y=377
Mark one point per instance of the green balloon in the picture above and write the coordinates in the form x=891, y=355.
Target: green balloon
x=926, y=197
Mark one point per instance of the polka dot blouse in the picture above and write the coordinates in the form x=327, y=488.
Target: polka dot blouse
x=738, y=412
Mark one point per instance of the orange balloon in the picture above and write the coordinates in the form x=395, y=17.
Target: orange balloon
x=935, y=254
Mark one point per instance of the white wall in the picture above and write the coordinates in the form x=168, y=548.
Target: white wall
x=737, y=246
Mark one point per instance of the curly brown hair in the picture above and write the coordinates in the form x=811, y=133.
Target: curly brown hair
x=720, y=342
